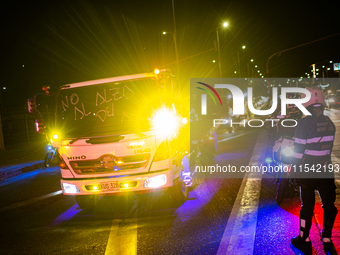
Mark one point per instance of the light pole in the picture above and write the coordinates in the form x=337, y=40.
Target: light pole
x=2, y=143
x=175, y=36
x=225, y=24
x=176, y=51
x=238, y=61
x=279, y=52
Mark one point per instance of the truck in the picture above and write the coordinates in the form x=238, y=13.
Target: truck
x=121, y=135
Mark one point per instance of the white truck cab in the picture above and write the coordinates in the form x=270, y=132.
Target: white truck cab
x=122, y=134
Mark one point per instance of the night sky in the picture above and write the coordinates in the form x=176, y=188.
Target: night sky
x=58, y=42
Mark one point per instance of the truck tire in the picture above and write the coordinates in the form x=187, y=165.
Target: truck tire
x=87, y=201
x=281, y=188
x=179, y=193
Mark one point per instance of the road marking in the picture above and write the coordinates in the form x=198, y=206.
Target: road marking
x=335, y=161
x=112, y=243
x=31, y=201
x=123, y=234
x=239, y=234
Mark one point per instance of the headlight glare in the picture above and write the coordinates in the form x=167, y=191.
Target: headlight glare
x=70, y=188
x=156, y=181
x=165, y=122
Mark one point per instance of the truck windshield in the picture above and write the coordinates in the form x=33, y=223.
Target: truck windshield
x=107, y=109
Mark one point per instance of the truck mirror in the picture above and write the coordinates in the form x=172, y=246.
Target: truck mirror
x=31, y=106
x=39, y=126
x=45, y=88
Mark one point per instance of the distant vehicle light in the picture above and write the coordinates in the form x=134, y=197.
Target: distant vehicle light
x=156, y=71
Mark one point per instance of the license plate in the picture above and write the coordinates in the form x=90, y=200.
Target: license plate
x=109, y=186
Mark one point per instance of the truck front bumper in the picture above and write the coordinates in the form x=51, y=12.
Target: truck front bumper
x=143, y=183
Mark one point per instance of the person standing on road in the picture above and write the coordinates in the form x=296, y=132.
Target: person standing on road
x=313, y=143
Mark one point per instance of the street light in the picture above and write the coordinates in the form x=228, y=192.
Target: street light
x=225, y=24
x=248, y=68
x=174, y=35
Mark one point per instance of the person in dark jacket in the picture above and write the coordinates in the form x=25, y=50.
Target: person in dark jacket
x=312, y=166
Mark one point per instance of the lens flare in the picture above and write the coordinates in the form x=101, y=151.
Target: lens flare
x=165, y=122
x=288, y=152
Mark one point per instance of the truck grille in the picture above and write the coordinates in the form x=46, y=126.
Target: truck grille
x=110, y=163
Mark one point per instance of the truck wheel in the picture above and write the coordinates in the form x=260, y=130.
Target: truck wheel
x=179, y=193
x=87, y=201
x=281, y=188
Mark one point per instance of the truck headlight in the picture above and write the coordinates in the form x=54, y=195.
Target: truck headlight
x=165, y=122
x=155, y=182
x=70, y=188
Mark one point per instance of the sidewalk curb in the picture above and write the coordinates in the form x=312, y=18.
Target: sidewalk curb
x=20, y=169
